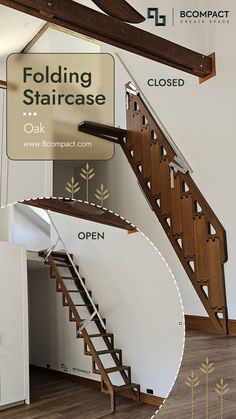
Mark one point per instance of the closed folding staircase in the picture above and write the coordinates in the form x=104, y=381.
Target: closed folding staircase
x=192, y=227
x=91, y=329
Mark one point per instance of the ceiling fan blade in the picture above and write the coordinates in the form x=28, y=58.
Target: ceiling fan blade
x=121, y=10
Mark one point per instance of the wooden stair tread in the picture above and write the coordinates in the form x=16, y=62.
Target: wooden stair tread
x=106, y=351
x=82, y=305
x=64, y=265
x=42, y=253
x=98, y=335
x=117, y=369
x=126, y=387
x=93, y=320
x=55, y=253
x=60, y=257
x=58, y=253
x=80, y=291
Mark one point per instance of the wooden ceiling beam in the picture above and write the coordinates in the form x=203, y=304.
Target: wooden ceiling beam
x=84, y=20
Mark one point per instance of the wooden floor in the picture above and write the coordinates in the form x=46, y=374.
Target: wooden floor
x=56, y=398
x=222, y=352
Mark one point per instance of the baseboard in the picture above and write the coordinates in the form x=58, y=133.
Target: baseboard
x=61, y=374
x=11, y=405
x=151, y=399
x=144, y=397
x=204, y=324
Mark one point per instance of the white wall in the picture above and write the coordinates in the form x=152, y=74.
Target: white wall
x=6, y=222
x=201, y=120
x=57, y=41
x=61, y=175
x=20, y=179
x=22, y=226
x=2, y=71
x=137, y=295
x=30, y=230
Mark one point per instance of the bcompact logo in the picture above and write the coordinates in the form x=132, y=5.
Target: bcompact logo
x=188, y=16
x=153, y=13
x=204, y=16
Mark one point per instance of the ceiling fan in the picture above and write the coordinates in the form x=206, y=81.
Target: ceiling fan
x=120, y=9
x=112, y=29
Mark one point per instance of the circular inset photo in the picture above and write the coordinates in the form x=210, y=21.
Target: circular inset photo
x=91, y=317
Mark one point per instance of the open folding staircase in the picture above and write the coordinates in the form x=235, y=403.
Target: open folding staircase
x=193, y=229
x=77, y=298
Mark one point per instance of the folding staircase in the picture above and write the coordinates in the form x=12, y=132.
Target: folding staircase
x=193, y=229
x=58, y=262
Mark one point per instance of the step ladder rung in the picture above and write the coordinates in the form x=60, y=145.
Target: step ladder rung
x=80, y=291
x=98, y=335
x=109, y=351
x=113, y=369
x=74, y=278
x=82, y=305
x=117, y=369
x=64, y=265
x=76, y=290
x=106, y=352
x=60, y=259
x=93, y=320
x=58, y=253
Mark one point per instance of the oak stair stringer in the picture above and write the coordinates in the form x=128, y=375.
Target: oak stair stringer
x=196, y=234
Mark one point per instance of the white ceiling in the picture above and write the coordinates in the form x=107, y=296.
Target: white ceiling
x=16, y=30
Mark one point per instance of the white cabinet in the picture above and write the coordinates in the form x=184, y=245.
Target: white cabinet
x=14, y=358
x=12, y=380
x=20, y=179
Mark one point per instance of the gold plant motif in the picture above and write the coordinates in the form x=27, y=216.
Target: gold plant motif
x=87, y=174
x=207, y=368
x=221, y=388
x=72, y=187
x=102, y=194
x=192, y=382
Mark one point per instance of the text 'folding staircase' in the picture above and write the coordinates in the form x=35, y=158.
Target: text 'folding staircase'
x=193, y=229
x=98, y=343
